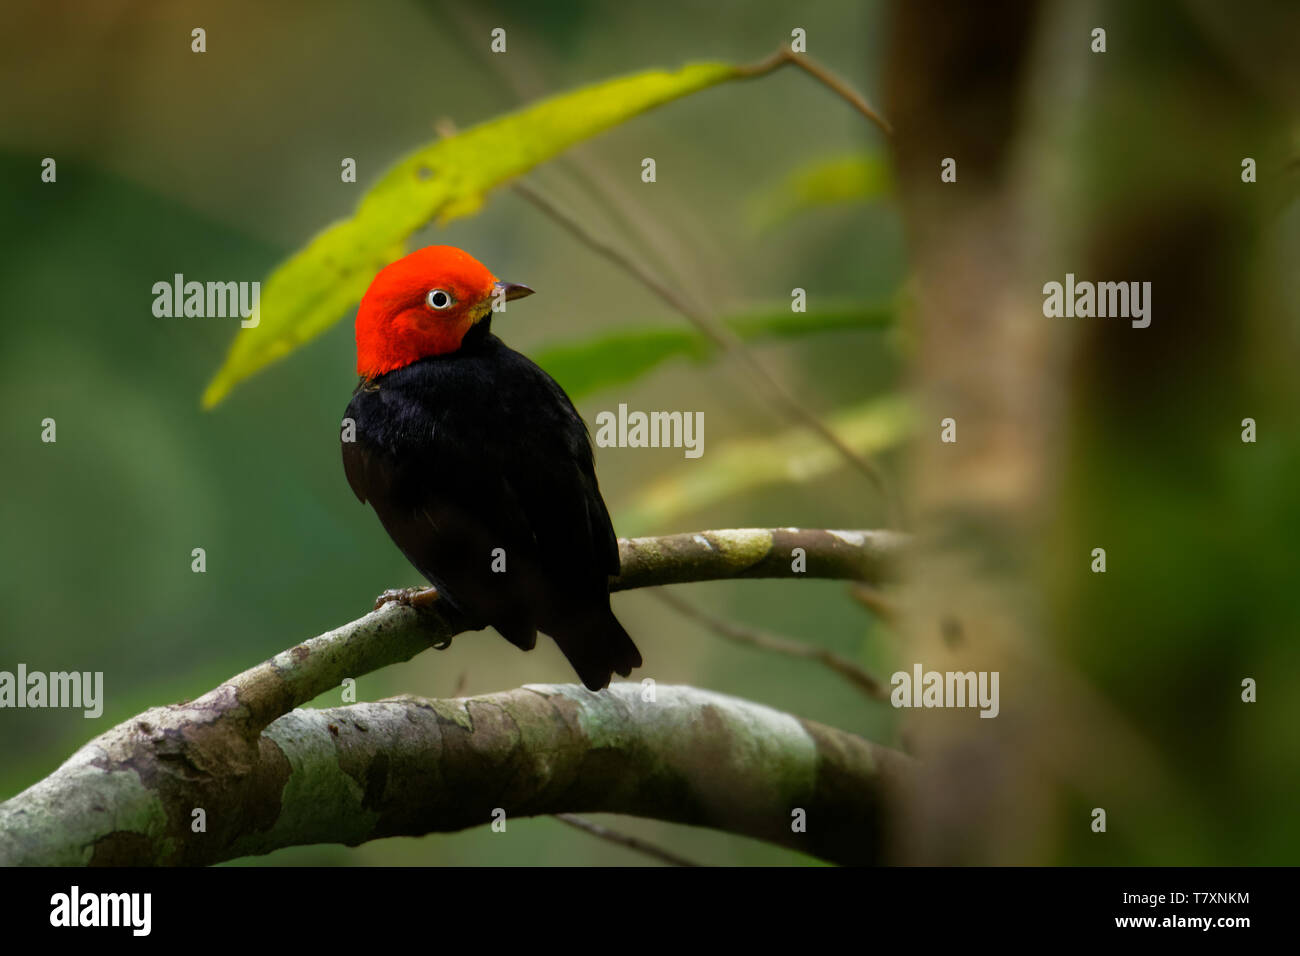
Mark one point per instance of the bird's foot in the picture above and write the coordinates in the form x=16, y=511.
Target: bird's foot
x=417, y=598
x=422, y=600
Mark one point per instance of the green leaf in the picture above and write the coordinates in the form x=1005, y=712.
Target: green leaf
x=741, y=465
x=444, y=180
x=826, y=182
x=593, y=364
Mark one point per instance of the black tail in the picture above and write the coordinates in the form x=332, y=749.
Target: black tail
x=597, y=646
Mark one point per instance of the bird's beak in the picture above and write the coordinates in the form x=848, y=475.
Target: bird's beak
x=512, y=290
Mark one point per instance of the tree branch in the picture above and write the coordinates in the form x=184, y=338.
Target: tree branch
x=859, y=677
x=267, y=778
x=623, y=839
x=409, y=766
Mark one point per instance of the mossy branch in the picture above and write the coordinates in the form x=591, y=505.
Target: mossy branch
x=268, y=776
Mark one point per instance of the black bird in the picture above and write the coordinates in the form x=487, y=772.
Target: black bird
x=478, y=465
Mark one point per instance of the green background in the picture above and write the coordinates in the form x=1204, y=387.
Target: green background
x=220, y=165
x=217, y=166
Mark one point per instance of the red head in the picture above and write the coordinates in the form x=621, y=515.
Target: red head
x=422, y=305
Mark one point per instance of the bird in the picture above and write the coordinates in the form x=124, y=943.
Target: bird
x=479, y=467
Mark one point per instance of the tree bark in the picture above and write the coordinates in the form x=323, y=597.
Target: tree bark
x=260, y=775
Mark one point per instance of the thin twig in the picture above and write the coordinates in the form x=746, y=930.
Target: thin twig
x=813, y=68
x=719, y=335
x=622, y=839
x=764, y=640
x=875, y=601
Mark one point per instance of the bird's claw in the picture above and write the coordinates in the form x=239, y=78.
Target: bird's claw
x=417, y=598
x=421, y=600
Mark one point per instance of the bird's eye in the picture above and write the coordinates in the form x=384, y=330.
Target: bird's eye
x=438, y=299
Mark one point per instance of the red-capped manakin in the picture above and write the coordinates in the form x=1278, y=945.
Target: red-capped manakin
x=478, y=465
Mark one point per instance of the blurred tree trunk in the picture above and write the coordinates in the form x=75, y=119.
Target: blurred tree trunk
x=1072, y=432
x=955, y=75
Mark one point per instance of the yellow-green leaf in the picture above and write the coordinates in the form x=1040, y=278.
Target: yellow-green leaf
x=826, y=182
x=743, y=464
x=446, y=179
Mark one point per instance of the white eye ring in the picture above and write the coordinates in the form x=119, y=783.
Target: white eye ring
x=439, y=299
